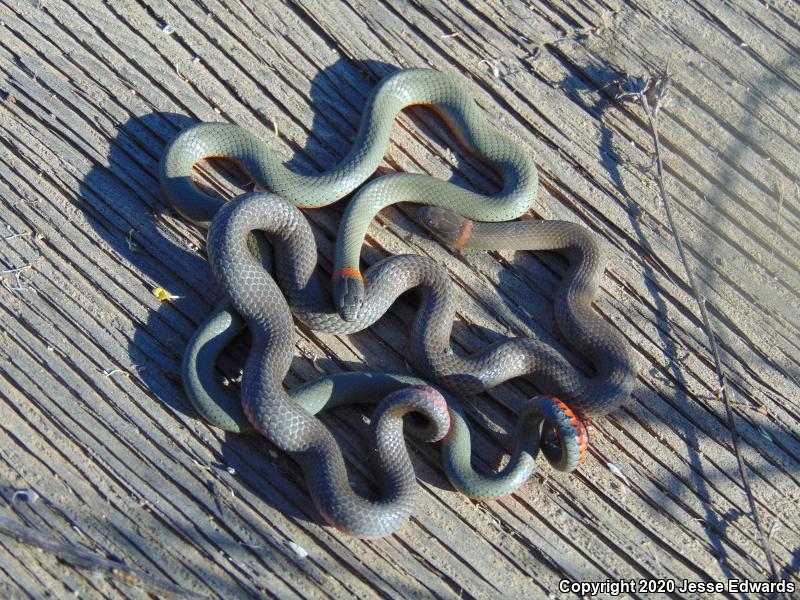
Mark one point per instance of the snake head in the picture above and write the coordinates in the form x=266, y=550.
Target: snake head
x=449, y=227
x=348, y=294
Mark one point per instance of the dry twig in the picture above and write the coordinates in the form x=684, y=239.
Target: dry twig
x=651, y=95
x=82, y=559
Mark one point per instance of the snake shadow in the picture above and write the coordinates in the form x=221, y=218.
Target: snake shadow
x=123, y=203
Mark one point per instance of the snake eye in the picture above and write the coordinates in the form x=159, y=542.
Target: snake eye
x=551, y=442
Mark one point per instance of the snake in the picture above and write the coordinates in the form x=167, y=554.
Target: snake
x=350, y=308
x=302, y=282
x=404, y=88
x=288, y=420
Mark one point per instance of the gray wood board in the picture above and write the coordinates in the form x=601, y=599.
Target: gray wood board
x=93, y=417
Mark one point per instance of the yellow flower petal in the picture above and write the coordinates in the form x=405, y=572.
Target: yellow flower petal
x=163, y=294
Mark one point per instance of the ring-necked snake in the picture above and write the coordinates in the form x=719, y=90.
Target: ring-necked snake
x=293, y=428
x=606, y=389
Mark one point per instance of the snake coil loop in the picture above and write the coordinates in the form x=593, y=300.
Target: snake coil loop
x=560, y=431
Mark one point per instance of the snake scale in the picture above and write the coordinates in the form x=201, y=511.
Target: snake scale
x=359, y=300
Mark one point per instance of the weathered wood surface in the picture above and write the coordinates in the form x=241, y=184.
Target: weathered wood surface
x=92, y=413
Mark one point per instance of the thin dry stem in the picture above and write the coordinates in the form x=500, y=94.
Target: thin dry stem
x=650, y=94
x=82, y=559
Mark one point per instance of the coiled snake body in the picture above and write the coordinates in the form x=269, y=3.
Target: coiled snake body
x=293, y=428
x=274, y=412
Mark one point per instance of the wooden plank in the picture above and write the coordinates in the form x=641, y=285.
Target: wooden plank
x=92, y=412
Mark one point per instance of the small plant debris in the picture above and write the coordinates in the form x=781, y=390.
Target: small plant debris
x=164, y=295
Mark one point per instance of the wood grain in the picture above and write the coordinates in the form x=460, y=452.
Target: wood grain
x=92, y=414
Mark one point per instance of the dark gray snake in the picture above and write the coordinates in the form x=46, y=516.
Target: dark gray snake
x=360, y=305
x=287, y=420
